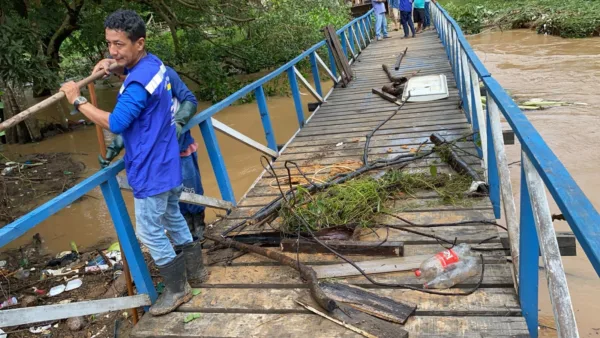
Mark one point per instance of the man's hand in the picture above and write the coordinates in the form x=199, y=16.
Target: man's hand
x=71, y=91
x=104, y=65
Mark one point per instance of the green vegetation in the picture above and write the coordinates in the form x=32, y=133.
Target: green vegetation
x=565, y=18
x=359, y=201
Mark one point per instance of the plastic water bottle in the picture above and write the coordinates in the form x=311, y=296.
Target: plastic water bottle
x=436, y=265
x=456, y=273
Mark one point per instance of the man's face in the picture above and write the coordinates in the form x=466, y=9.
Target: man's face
x=126, y=52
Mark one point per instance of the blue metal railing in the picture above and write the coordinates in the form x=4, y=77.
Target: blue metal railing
x=106, y=178
x=541, y=169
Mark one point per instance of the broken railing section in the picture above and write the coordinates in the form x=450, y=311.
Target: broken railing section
x=531, y=232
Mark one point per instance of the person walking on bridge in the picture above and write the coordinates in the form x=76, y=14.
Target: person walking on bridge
x=406, y=17
x=185, y=105
x=145, y=116
x=394, y=8
x=419, y=14
x=380, y=21
x=427, y=23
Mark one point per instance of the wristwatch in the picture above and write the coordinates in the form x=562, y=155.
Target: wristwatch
x=79, y=101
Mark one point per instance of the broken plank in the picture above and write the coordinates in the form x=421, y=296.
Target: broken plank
x=484, y=301
x=236, y=135
x=391, y=248
x=386, y=96
x=371, y=267
x=369, y=302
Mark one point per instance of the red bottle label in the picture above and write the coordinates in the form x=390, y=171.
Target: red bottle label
x=447, y=257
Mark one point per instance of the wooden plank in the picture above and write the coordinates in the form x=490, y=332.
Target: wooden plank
x=236, y=135
x=567, y=243
x=371, y=267
x=390, y=248
x=187, y=197
x=36, y=314
x=301, y=325
x=487, y=301
x=496, y=275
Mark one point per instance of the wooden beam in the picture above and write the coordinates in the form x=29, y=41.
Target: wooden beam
x=567, y=244
x=45, y=313
x=386, y=96
x=370, y=267
x=236, y=135
x=399, y=60
x=189, y=198
x=509, y=137
x=390, y=248
x=307, y=85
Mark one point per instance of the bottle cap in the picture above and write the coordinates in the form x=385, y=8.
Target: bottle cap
x=418, y=272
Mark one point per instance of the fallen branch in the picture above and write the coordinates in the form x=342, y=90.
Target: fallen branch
x=454, y=160
x=306, y=272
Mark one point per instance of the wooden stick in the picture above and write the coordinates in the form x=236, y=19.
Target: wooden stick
x=348, y=326
x=102, y=146
x=99, y=132
x=400, y=57
x=27, y=113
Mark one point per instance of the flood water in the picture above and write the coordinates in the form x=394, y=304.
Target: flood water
x=88, y=222
x=526, y=64
x=529, y=65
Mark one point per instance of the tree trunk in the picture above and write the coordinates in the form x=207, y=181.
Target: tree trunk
x=26, y=131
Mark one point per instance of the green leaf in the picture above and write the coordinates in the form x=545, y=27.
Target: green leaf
x=433, y=170
x=190, y=317
x=196, y=292
x=114, y=247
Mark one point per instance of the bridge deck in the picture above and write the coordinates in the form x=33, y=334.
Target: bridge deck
x=255, y=296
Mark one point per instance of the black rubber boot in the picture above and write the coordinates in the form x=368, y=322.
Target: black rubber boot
x=196, y=224
x=196, y=272
x=177, y=290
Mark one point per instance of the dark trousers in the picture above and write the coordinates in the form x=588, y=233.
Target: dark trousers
x=427, y=15
x=407, y=21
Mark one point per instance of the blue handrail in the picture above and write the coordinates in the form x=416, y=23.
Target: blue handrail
x=579, y=212
x=106, y=178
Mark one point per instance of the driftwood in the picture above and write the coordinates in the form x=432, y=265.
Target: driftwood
x=455, y=162
x=399, y=60
x=306, y=272
x=392, y=78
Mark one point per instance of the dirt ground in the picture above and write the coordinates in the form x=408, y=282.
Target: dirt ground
x=28, y=181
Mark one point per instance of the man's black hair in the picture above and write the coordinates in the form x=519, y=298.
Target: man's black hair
x=127, y=21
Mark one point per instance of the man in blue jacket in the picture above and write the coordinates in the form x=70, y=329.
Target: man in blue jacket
x=185, y=105
x=144, y=115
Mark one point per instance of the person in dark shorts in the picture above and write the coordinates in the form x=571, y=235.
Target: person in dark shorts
x=419, y=14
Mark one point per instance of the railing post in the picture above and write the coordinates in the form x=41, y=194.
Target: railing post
x=508, y=200
x=362, y=36
x=529, y=249
x=478, y=110
x=331, y=62
x=344, y=47
x=558, y=289
x=261, y=100
x=216, y=160
x=492, y=170
x=366, y=29
x=129, y=244
x=315, y=73
x=296, y=96
x=466, y=94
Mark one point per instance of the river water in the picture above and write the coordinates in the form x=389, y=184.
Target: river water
x=526, y=64
x=529, y=65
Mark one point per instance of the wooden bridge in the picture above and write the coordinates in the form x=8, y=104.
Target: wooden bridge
x=256, y=297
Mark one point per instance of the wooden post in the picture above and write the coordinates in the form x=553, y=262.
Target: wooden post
x=315, y=73
x=216, y=160
x=265, y=118
x=560, y=298
x=528, y=261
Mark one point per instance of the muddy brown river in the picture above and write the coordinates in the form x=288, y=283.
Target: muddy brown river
x=526, y=64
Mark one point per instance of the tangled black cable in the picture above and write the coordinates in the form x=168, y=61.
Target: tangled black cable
x=374, y=282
